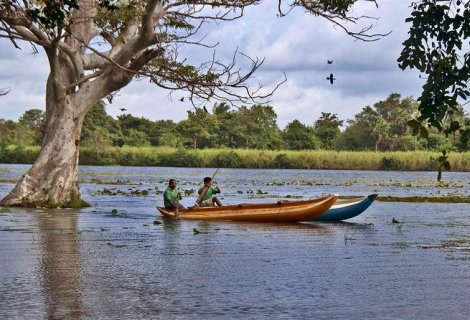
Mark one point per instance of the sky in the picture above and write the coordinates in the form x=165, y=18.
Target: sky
x=298, y=45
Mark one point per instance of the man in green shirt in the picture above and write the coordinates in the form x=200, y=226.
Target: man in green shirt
x=206, y=193
x=171, y=197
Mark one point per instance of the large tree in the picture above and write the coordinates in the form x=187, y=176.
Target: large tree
x=326, y=128
x=96, y=47
x=298, y=136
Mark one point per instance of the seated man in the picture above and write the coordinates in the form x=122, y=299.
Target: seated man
x=206, y=193
x=171, y=196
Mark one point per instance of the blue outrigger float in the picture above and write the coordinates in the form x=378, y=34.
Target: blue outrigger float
x=347, y=209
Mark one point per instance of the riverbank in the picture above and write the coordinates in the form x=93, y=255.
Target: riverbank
x=256, y=159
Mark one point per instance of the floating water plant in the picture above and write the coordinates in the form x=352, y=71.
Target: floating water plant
x=5, y=209
x=196, y=231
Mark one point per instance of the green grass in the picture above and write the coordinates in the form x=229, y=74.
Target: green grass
x=243, y=158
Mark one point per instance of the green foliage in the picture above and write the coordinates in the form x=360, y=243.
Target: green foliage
x=406, y=143
x=198, y=129
x=298, y=136
x=436, y=47
x=53, y=13
x=327, y=129
x=358, y=135
x=340, y=7
x=437, y=142
x=227, y=159
x=74, y=202
x=33, y=121
x=390, y=163
x=444, y=164
x=3, y=152
x=281, y=161
x=16, y=133
x=463, y=143
x=165, y=133
x=18, y=154
x=5, y=209
x=181, y=158
x=101, y=156
x=136, y=138
x=258, y=127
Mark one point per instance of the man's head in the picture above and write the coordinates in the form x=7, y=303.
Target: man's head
x=172, y=183
x=207, y=180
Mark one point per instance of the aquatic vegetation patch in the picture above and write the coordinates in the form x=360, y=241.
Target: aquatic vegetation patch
x=117, y=245
x=22, y=230
x=9, y=180
x=5, y=209
x=459, y=247
x=74, y=201
x=116, y=192
x=111, y=182
x=391, y=163
x=457, y=244
x=401, y=245
x=188, y=192
x=292, y=197
x=395, y=221
x=417, y=199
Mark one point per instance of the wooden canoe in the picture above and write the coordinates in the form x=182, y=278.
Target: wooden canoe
x=345, y=209
x=282, y=211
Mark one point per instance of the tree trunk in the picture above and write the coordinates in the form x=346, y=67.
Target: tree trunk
x=53, y=179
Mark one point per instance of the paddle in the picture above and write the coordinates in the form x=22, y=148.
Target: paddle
x=198, y=200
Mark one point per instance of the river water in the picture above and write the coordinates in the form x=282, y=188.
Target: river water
x=98, y=263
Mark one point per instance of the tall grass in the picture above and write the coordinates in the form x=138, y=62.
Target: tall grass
x=244, y=158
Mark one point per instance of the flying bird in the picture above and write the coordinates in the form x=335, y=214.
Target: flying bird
x=123, y=109
x=182, y=99
x=331, y=78
x=4, y=91
x=329, y=61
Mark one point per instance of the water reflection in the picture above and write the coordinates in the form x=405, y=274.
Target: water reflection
x=60, y=265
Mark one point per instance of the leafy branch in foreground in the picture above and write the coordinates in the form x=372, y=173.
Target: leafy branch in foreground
x=437, y=47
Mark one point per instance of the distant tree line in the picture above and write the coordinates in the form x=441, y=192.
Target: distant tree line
x=381, y=127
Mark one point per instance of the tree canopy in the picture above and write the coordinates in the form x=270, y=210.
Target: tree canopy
x=379, y=127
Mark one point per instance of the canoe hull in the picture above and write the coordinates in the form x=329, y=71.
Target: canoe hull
x=282, y=211
x=347, y=209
